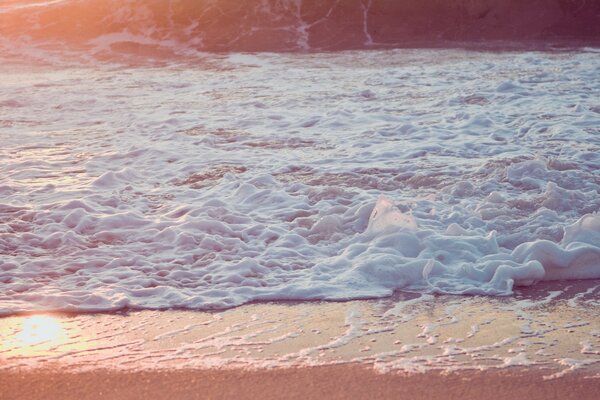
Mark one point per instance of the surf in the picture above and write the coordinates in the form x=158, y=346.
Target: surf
x=291, y=25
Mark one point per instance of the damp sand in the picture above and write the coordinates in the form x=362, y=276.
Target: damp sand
x=542, y=343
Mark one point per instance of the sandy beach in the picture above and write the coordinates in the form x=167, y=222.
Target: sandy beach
x=330, y=382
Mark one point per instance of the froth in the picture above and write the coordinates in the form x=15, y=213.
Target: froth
x=297, y=176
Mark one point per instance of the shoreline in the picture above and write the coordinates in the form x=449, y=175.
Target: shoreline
x=550, y=332
x=541, y=344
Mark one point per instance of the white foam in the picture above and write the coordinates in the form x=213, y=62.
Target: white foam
x=296, y=176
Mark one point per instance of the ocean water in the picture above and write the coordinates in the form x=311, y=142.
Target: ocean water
x=105, y=26
x=143, y=172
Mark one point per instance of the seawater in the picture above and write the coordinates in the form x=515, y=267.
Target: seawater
x=219, y=179
x=103, y=26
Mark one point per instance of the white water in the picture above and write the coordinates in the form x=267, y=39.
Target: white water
x=296, y=176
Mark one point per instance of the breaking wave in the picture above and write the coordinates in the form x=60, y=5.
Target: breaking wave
x=291, y=25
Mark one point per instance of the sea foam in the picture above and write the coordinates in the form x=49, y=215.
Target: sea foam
x=296, y=176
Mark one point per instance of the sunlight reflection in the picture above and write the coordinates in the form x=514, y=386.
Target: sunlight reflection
x=27, y=4
x=40, y=329
x=39, y=335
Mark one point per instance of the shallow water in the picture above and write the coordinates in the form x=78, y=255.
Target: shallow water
x=554, y=331
x=217, y=180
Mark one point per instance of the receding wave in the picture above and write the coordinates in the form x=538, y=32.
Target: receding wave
x=291, y=25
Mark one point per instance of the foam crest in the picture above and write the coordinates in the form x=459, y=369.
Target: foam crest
x=386, y=217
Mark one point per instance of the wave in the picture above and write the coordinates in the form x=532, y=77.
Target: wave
x=292, y=25
x=254, y=177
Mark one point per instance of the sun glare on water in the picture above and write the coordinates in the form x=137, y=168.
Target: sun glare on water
x=39, y=335
x=41, y=329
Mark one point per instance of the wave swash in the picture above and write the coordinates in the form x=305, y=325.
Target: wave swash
x=292, y=175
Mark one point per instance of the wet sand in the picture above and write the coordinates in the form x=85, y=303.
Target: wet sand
x=542, y=343
x=331, y=382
